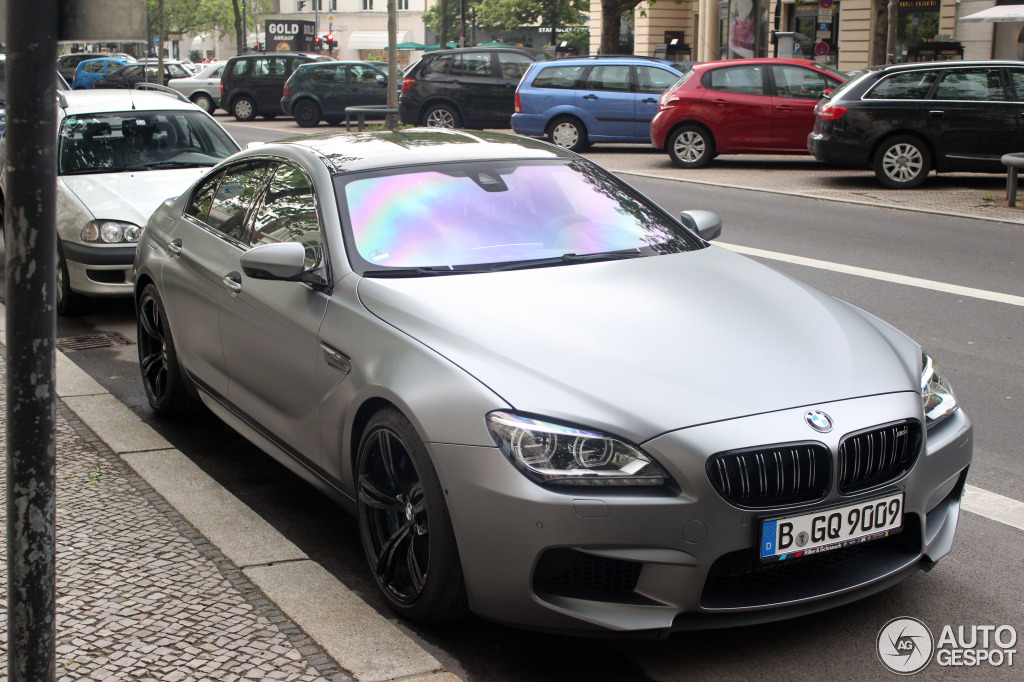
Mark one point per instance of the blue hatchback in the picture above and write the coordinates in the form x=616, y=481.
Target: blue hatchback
x=577, y=101
x=91, y=70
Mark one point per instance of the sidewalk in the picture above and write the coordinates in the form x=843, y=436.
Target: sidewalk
x=163, y=575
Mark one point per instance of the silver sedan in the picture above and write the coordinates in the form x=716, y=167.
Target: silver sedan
x=547, y=401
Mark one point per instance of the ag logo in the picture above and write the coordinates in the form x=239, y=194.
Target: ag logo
x=905, y=646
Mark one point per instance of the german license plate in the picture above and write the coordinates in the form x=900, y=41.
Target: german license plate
x=820, y=531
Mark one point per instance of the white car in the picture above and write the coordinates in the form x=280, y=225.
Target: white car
x=121, y=153
x=203, y=88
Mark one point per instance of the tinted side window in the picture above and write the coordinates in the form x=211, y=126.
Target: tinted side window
x=911, y=85
x=513, y=65
x=177, y=71
x=93, y=67
x=362, y=74
x=134, y=72
x=199, y=206
x=239, y=67
x=473, y=65
x=559, y=77
x=233, y=197
x=270, y=67
x=442, y=65
x=651, y=79
x=983, y=85
x=288, y=214
x=799, y=83
x=328, y=74
x=1017, y=78
x=743, y=80
x=613, y=78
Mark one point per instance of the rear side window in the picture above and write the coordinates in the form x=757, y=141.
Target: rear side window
x=609, y=78
x=440, y=66
x=240, y=67
x=474, y=65
x=327, y=74
x=910, y=85
x=1017, y=78
x=513, y=65
x=742, y=80
x=981, y=85
x=559, y=77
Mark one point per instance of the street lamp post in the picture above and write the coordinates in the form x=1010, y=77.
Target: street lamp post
x=245, y=31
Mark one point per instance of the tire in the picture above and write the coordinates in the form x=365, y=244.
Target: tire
x=204, y=102
x=691, y=146
x=568, y=133
x=162, y=377
x=243, y=109
x=404, y=523
x=306, y=113
x=442, y=116
x=902, y=162
x=69, y=303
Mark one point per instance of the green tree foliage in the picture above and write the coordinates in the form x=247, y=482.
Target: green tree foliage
x=611, y=13
x=432, y=17
x=205, y=16
x=509, y=15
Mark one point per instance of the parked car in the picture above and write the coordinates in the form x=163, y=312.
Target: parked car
x=577, y=101
x=133, y=74
x=455, y=336
x=469, y=87
x=902, y=121
x=203, y=89
x=740, y=106
x=92, y=70
x=319, y=90
x=252, y=84
x=67, y=64
x=120, y=155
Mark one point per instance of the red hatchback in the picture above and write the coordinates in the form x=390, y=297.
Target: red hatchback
x=740, y=106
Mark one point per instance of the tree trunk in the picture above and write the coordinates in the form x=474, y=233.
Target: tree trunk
x=238, y=26
x=163, y=44
x=392, y=85
x=444, y=24
x=881, y=32
x=610, y=34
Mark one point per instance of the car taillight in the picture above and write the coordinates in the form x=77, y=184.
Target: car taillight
x=519, y=104
x=407, y=83
x=222, y=87
x=830, y=112
x=287, y=90
x=667, y=102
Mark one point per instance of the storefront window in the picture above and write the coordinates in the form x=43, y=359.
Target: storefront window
x=918, y=23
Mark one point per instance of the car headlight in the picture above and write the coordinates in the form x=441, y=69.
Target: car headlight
x=110, y=232
x=936, y=393
x=562, y=455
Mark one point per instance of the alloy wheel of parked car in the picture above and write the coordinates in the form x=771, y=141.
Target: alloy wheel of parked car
x=441, y=116
x=306, y=113
x=404, y=523
x=902, y=162
x=690, y=147
x=204, y=102
x=158, y=360
x=569, y=133
x=68, y=302
x=244, y=109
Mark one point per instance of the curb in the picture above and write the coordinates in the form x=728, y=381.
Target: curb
x=363, y=642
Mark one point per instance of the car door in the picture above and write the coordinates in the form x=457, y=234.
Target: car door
x=795, y=92
x=651, y=81
x=269, y=74
x=737, y=107
x=210, y=231
x=328, y=84
x=270, y=328
x=366, y=86
x=606, y=101
x=480, y=93
x=973, y=120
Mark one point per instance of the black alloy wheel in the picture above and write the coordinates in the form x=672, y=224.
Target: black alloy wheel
x=306, y=113
x=158, y=361
x=404, y=524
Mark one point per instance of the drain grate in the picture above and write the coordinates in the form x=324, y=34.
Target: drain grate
x=69, y=344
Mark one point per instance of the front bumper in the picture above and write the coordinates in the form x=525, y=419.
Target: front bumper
x=99, y=270
x=591, y=561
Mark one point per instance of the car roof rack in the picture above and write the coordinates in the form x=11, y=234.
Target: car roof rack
x=163, y=89
x=615, y=56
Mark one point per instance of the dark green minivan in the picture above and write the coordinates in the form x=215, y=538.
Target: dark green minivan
x=322, y=90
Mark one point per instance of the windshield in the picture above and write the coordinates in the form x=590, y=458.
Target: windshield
x=480, y=214
x=140, y=140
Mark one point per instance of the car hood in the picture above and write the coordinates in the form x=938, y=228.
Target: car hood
x=650, y=345
x=130, y=196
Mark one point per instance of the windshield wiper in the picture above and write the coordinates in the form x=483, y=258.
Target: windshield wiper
x=174, y=164
x=416, y=272
x=566, y=258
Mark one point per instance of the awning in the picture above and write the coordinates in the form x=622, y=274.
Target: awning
x=999, y=13
x=373, y=40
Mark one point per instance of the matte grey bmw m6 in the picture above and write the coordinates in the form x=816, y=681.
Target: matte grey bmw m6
x=546, y=400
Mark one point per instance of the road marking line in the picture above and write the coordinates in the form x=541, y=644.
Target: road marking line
x=993, y=506
x=879, y=275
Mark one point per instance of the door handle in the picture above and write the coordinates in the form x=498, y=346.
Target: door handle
x=233, y=281
x=174, y=247
x=720, y=102
x=937, y=113
x=783, y=107
x=648, y=100
x=591, y=96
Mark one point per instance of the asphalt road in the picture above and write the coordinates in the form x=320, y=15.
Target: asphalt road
x=977, y=342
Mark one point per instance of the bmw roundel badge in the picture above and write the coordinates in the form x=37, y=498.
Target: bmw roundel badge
x=818, y=420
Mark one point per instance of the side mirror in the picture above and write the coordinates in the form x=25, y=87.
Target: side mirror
x=283, y=261
x=382, y=80
x=705, y=224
